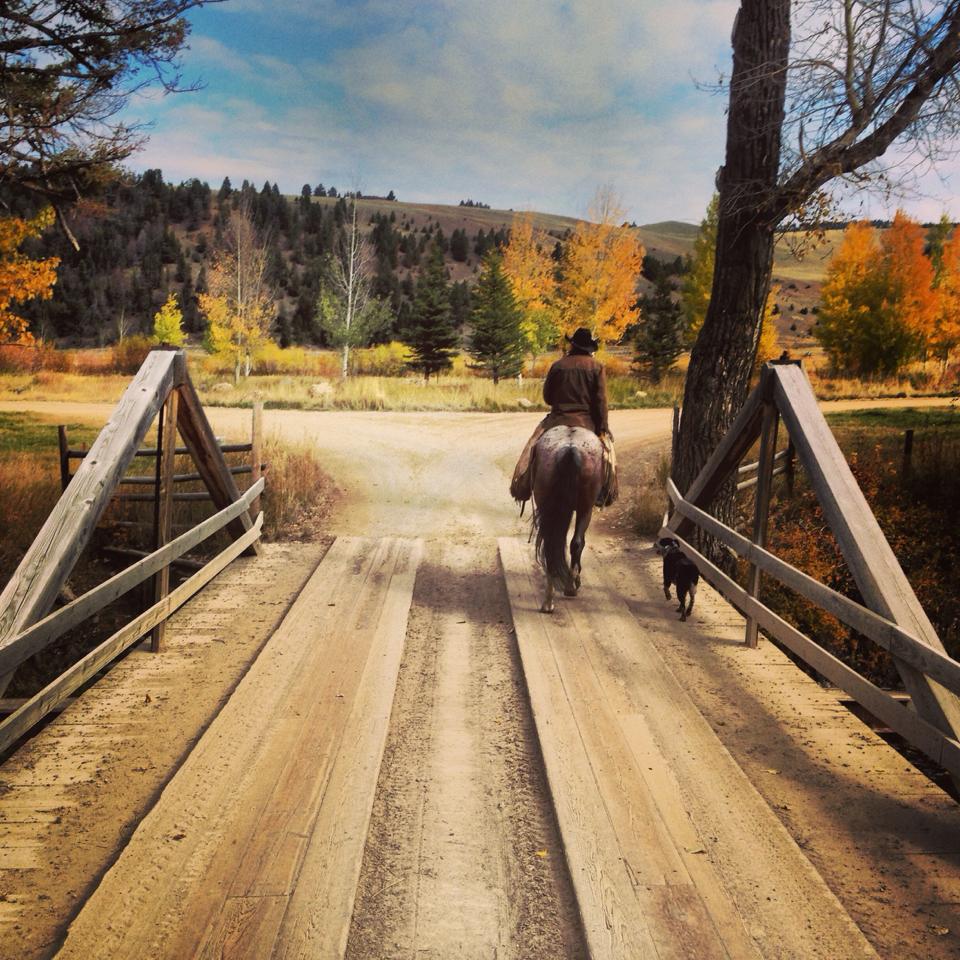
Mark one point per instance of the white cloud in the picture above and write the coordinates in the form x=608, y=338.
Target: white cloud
x=509, y=101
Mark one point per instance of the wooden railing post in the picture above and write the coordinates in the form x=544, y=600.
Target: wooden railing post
x=64, y=457
x=163, y=507
x=768, y=449
x=256, y=452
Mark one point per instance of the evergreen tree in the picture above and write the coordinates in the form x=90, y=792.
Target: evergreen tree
x=430, y=334
x=497, y=343
x=459, y=245
x=660, y=335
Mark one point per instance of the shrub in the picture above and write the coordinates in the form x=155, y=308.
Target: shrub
x=383, y=360
x=129, y=353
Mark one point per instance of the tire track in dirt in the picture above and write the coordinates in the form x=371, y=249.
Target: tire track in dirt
x=463, y=856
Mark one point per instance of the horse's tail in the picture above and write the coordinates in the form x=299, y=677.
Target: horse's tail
x=553, y=519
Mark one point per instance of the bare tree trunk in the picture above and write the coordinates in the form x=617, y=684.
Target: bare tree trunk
x=718, y=377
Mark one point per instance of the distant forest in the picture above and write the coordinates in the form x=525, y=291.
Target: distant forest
x=144, y=239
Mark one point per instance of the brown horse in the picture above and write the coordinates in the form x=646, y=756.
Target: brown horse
x=567, y=474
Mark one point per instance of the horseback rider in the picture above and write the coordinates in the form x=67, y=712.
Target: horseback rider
x=576, y=390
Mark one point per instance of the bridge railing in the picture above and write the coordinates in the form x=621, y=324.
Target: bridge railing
x=892, y=616
x=161, y=387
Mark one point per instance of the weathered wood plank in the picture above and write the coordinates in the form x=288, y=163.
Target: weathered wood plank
x=317, y=923
x=614, y=925
x=143, y=481
x=181, y=451
x=657, y=864
x=18, y=648
x=218, y=805
x=38, y=706
x=872, y=562
x=918, y=731
x=207, y=456
x=246, y=929
x=274, y=852
x=726, y=456
x=46, y=565
x=892, y=637
x=256, y=448
x=768, y=446
x=163, y=513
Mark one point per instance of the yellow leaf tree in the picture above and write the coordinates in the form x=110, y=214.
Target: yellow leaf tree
x=239, y=306
x=20, y=277
x=532, y=274
x=601, y=266
x=167, y=323
x=768, y=346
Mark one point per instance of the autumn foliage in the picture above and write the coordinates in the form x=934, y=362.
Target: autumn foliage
x=883, y=302
x=22, y=278
x=532, y=275
x=601, y=266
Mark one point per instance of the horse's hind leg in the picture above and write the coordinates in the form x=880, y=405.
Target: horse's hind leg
x=547, y=605
x=577, y=544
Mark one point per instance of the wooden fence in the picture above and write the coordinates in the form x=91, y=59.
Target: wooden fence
x=892, y=616
x=161, y=390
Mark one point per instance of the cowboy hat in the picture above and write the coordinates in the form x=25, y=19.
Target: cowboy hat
x=583, y=340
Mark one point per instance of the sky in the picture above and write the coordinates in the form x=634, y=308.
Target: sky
x=520, y=104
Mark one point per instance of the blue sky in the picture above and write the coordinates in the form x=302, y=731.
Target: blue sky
x=517, y=103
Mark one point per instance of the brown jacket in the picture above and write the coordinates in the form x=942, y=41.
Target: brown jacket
x=576, y=389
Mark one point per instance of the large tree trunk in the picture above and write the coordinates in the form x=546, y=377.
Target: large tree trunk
x=718, y=378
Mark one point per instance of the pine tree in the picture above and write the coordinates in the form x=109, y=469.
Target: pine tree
x=497, y=342
x=430, y=333
x=660, y=335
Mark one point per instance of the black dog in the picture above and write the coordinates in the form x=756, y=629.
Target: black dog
x=678, y=570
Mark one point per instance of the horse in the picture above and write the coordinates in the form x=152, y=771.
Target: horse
x=567, y=476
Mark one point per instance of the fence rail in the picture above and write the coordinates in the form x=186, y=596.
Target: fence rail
x=890, y=615
x=161, y=392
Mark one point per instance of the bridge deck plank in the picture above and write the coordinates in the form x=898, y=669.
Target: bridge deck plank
x=226, y=840
x=599, y=690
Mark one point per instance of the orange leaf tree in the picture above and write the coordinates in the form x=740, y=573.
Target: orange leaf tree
x=946, y=335
x=601, y=267
x=22, y=278
x=910, y=277
x=878, y=308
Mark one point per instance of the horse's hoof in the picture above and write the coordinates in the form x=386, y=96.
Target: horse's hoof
x=546, y=609
x=666, y=592
x=568, y=592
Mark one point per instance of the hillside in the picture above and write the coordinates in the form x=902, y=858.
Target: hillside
x=145, y=239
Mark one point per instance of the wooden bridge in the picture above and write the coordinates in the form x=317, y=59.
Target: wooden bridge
x=678, y=837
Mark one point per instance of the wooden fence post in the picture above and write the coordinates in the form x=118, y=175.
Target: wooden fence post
x=163, y=506
x=64, y=457
x=768, y=449
x=907, y=456
x=256, y=451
